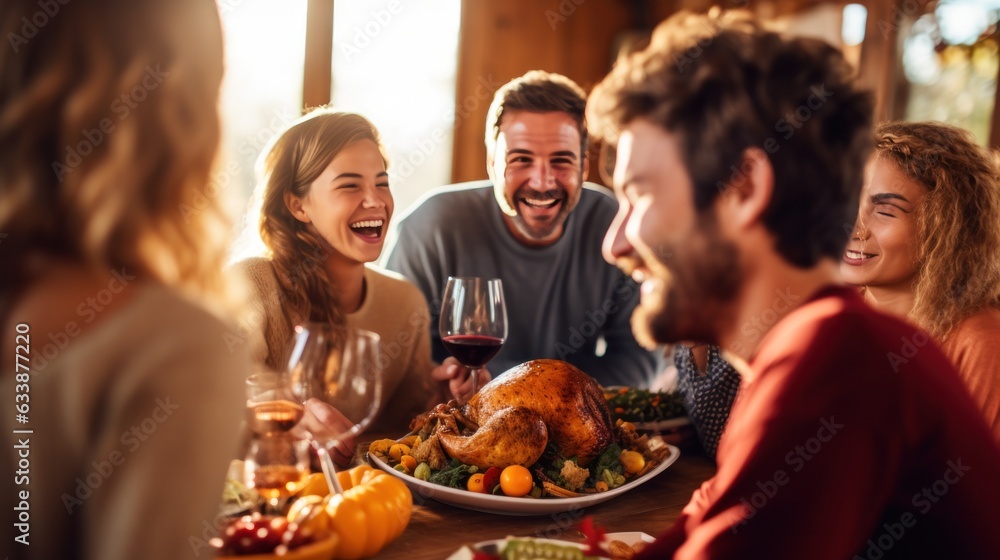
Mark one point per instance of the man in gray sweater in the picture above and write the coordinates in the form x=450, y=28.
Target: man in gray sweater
x=537, y=227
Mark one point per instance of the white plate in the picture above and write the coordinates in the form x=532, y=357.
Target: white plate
x=466, y=553
x=507, y=505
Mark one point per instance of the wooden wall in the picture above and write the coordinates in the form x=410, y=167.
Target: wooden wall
x=502, y=40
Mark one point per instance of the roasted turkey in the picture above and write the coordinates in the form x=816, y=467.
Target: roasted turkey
x=512, y=419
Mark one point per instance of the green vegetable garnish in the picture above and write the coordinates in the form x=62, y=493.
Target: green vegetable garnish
x=643, y=405
x=455, y=476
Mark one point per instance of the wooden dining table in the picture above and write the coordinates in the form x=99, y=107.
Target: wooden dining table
x=437, y=530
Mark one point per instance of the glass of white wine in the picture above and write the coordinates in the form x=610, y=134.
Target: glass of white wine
x=276, y=466
x=271, y=406
x=276, y=462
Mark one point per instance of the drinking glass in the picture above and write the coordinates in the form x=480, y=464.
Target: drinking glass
x=276, y=466
x=473, y=322
x=341, y=368
x=272, y=408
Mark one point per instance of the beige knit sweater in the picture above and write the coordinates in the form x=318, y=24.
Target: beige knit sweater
x=392, y=307
x=134, y=424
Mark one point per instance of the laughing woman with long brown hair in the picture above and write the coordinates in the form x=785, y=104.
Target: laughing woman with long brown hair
x=325, y=207
x=927, y=247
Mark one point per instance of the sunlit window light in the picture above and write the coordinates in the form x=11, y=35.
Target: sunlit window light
x=950, y=60
x=962, y=22
x=853, y=28
x=262, y=86
x=920, y=62
x=395, y=62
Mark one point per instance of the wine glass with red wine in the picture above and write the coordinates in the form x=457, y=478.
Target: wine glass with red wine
x=473, y=322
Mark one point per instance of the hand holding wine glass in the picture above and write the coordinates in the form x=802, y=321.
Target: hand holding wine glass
x=456, y=383
x=473, y=322
x=325, y=423
x=341, y=369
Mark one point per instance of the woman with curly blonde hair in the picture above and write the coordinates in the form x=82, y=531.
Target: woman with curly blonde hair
x=325, y=207
x=927, y=246
x=113, y=255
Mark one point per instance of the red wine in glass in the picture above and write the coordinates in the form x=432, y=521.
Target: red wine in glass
x=473, y=322
x=472, y=350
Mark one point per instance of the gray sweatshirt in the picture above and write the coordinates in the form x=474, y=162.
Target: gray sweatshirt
x=561, y=299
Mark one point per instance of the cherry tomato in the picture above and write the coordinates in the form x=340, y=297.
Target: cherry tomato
x=515, y=480
x=475, y=483
x=491, y=479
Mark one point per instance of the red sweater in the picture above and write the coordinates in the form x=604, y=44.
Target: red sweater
x=853, y=437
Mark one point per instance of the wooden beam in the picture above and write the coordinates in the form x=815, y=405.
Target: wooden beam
x=468, y=159
x=879, y=58
x=995, y=120
x=318, y=74
x=499, y=41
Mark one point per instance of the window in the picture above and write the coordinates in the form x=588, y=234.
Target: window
x=262, y=86
x=394, y=61
x=950, y=63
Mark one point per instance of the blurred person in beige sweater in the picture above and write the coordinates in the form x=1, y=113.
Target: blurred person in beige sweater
x=111, y=296
x=325, y=206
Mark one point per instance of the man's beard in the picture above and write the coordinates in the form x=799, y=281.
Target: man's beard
x=692, y=295
x=540, y=230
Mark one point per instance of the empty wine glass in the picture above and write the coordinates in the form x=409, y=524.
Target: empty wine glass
x=473, y=322
x=341, y=368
